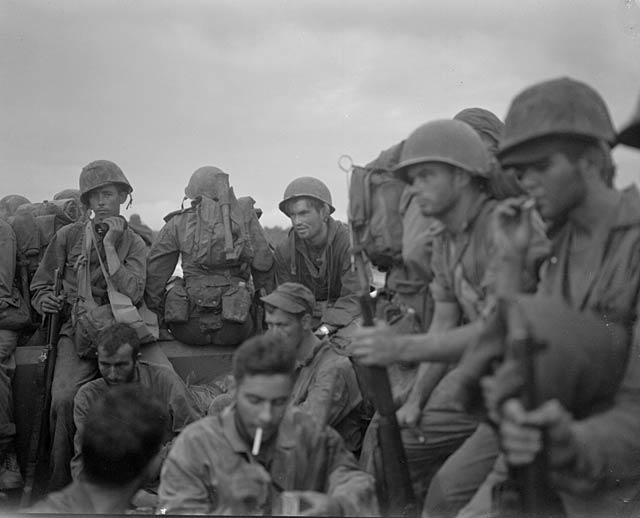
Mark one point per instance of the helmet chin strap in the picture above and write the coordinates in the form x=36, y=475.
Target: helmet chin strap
x=130, y=201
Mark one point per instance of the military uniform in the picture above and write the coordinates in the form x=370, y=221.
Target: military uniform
x=197, y=475
x=66, y=251
x=161, y=381
x=185, y=236
x=326, y=388
x=326, y=272
x=8, y=339
x=73, y=499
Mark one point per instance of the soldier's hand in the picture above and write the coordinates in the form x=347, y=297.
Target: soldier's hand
x=49, y=303
x=117, y=225
x=249, y=487
x=373, y=345
x=505, y=383
x=512, y=227
x=408, y=415
x=521, y=433
x=313, y=503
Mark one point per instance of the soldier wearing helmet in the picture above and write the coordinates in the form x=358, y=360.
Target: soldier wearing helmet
x=448, y=166
x=73, y=249
x=557, y=139
x=218, y=276
x=9, y=204
x=317, y=254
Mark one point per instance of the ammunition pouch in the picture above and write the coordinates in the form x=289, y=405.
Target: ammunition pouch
x=211, y=299
x=176, y=304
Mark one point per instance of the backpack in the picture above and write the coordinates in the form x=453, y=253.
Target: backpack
x=212, y=235
x=35, y=224
x=374, y=209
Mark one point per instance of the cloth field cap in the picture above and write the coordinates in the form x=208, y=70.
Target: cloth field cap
x=292, y=298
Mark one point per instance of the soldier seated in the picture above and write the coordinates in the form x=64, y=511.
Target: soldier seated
x=325, y=383
x=118, y=360
x=225, y=259
x=260, y=455
x=122, y=437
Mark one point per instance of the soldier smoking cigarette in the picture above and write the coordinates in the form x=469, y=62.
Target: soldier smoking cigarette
x=257, y=440
x=529, y=203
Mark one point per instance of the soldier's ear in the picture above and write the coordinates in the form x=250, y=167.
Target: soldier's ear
x=324, y=212
x=122, y=196
x=306, y=321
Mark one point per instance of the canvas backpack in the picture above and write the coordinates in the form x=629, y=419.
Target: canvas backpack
x=374, y=209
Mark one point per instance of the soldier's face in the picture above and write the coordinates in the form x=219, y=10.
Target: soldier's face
x=261, y=401
x=289, y=329
x=105, y=201
x=117, y=368
x=554, y=182
x=434, y=186
x=306, y=220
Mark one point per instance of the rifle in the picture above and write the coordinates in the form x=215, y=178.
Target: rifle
x=37, y=470
x=526, y=493
x=374, y=382
x=224, y=198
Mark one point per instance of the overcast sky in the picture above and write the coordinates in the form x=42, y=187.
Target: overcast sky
x=271, y=90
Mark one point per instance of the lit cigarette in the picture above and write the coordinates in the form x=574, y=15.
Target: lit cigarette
x=257, y=441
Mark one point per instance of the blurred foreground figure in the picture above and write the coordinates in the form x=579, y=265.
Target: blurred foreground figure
x=261, y=456
x=557, y=140
x=121, y=445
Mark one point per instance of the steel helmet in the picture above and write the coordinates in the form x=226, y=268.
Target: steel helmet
x=309, y=187
x=101, y=173
x=9, y=204
x=447, y=141
x=630, y=135
x=483, y=121
x=559, y=107
x=204, y=182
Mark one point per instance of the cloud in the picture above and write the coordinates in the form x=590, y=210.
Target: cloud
x=273, y=90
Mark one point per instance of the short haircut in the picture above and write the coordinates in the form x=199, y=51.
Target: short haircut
x=123, y=432
x=263, y=354
x=115, y=336
x=313, y=202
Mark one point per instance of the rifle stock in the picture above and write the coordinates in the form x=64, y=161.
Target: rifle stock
x=399, y=500
x=37, y=470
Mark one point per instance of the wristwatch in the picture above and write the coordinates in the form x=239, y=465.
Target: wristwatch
x=323, y=330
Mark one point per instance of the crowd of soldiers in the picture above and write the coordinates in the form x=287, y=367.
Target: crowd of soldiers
x=509, y=332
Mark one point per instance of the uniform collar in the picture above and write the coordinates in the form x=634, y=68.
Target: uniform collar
x=628, y=213
x=474, y=211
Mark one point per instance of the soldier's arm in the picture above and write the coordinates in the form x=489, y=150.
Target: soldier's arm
x=331, y=397
x=161, y=263
x=42, y=283
x=130, y=277
x=7, y=261
x=182, y=408
x=346, y=307
x=351, y=488
x=81, y=407
x=263, y=264
x=282, y=262
x=184, y=479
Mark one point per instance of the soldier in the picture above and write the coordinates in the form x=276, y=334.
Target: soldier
x=325, y=383
x=317, y=254
x=9, y=204
x=260, y=453
x=103, y=188
x=213, y=304
x=118, y=360
x=122, y=438
x=448, y=166
x=557, y=139
x=10, y=302
x=144, y=231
